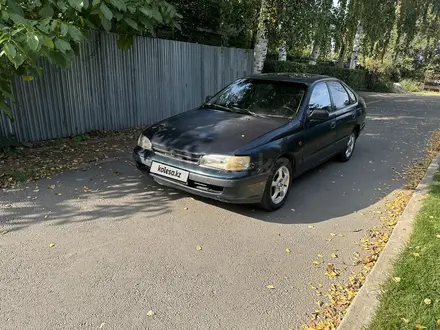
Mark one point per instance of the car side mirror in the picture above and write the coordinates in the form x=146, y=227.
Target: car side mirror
x=319, y=114
x=208, y=98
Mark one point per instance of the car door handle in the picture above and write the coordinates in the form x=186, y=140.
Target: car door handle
x=333, y=125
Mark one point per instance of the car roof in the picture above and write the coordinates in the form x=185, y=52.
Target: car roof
x=304, y=78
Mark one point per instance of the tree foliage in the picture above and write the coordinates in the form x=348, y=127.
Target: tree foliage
x=53, y=29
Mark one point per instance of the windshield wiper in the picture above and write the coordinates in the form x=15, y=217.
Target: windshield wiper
x=217, y=106
x=247, y=111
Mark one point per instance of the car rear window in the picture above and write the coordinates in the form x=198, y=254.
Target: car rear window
x=262, y=97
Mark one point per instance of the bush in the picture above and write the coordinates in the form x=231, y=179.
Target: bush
x=412, y=85
x=354, y=78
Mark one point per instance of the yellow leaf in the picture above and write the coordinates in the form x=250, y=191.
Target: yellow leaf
x=341, y=235
x=150, y=313
x=396, y=279
x=427, y=301
x=52, y=187
x=319, y=256
x=270, y=286
x=319, y=303
x=415, y=254
x=334, y=255
x=45, y=217
x=288, y=250
x=332, y=234
x=419, y=326
x=36, y=190
x=28, y=78
x=404, y=320
x=316, y=263
x=438, y=236
x=102, y=325
x=329, y=239
x=311, y=227
x=51, y=245
x=198, y=247
x=186, y=209
x=438, y=322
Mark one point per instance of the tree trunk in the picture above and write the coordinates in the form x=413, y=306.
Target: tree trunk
x=260, y=49
x=341, y=56
x=282, y=54
x=356, y=46
x=315, y=53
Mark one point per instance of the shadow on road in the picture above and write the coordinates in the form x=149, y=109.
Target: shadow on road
x=112, y=191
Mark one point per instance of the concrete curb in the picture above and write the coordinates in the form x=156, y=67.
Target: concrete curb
x=362, y=309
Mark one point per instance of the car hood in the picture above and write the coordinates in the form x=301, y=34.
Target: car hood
x=210, y=131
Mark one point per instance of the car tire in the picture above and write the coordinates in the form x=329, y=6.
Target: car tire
x=346, y=154
x=278, y=185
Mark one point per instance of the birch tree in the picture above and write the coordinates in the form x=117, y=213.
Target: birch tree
x=262, y=41
x=356, y=47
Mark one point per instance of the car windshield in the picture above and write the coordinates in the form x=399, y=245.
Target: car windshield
x=261, y=97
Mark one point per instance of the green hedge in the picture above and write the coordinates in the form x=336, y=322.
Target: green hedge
x=354, y=78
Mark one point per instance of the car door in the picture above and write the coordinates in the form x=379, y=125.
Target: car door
x=319, y=135
x=343, y=111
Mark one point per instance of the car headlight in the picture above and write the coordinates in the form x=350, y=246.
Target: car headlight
x=144, y=142
x=228, y=163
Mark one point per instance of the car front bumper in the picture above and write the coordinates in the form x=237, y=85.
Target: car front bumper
x=232, y=189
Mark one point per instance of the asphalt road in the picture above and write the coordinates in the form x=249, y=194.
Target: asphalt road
x=124, y=246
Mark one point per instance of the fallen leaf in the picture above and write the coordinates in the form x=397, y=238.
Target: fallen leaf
x=319, y=256
x=331, y=271
x=438, y=322
x=51, y=245
x=438, y=236
x=319, y=303
x=419, y=326
x=427, y=301
x=405, y=320
x=102, y=325
x=311, y=227
x=186, y=209
x=198, y=247
x=52, y=187
x=270, y=286
x=334, y=255
x=288, y=250
x=329, y=239
x=116, y=173
x=431, y=217
x=396, y=279
x=293, y=210
x=36, y=190
x=150, y=313
x=415, y=254
x=357, y=230
x=316, y=263
x=332, y=234
x=3, y=232
x=341, y=235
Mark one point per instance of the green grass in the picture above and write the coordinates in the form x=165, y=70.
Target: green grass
x=429, y=93
x=402, y=304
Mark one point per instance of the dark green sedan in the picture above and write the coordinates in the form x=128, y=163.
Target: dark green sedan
x=247, y=143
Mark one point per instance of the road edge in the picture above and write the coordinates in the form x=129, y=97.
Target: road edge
x=363, y=308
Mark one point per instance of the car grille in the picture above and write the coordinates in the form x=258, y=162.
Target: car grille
x=176, y=154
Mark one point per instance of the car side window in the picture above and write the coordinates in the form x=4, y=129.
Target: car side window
x=339, y=94
x=320, y=98
x=353, y=98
